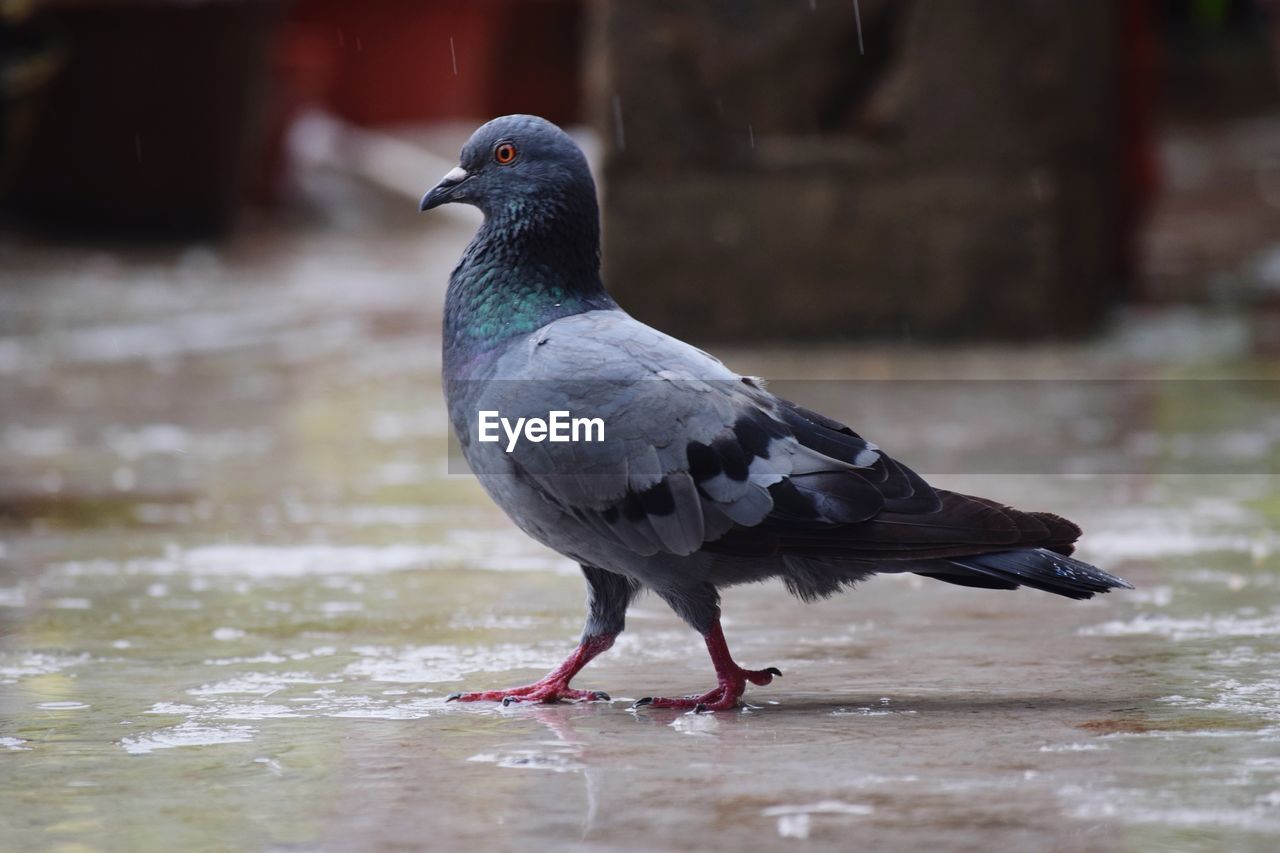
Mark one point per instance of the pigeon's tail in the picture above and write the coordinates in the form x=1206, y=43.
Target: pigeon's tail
x=1038, y=568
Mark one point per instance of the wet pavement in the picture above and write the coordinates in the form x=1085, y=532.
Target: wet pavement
x=237, y=580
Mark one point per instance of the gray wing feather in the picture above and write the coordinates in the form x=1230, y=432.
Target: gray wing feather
x=681, y=530
x=665, y=405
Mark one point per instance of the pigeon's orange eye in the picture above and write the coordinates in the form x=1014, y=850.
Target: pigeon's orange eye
x=505, y=153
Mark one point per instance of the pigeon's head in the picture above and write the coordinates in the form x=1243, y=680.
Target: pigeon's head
x=518, y=164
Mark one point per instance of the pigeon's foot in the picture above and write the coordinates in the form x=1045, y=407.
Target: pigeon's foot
x=733, y=681
x=547, y=691
x=555, y=686
x=723, y=698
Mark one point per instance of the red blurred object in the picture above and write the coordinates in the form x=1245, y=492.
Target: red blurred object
x=1140, y=169
x=391, y=61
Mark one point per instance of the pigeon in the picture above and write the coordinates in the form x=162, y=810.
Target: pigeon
x=703, y=479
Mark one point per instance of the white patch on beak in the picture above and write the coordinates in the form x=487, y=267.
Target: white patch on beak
x=457, y=173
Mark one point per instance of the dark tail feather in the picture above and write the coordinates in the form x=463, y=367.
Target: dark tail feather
x=1037, y=568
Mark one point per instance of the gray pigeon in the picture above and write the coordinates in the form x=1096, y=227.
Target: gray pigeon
x=703, y=478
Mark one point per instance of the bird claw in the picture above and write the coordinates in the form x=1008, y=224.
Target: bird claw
x=545, y=692
x=715, y=700
x=722, y=698
x=760, y=677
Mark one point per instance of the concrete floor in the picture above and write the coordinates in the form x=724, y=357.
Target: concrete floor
x=237, y=580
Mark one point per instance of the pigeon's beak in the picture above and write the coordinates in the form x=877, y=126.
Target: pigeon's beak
x=442, y=193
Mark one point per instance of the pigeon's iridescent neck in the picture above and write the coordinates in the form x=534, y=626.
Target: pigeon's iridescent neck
x=527, y=266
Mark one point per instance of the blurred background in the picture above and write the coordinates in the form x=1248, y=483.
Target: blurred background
x=1031, y=247
x=911, y=170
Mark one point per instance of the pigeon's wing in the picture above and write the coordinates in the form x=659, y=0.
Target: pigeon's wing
x=696, y=457
x=916, y=521
x=691, y=450
x=813, y=517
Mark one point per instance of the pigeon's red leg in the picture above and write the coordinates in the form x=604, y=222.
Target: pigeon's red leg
x=731, y=677
x=554, y=686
